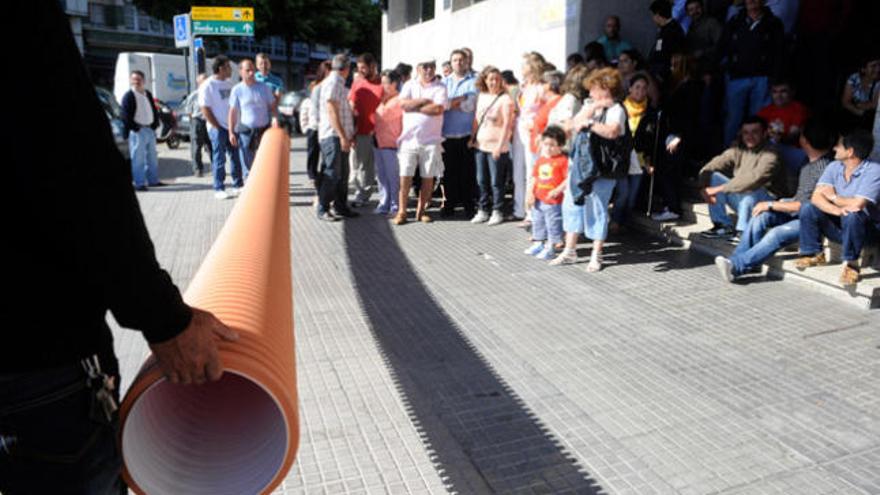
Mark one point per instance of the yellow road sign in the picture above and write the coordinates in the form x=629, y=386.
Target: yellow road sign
x=239, y=14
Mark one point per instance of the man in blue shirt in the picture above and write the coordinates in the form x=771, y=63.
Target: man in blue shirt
x=611, y=41
x=275, y=83
x=843, y=207
x=459, y=177
x=251, y=110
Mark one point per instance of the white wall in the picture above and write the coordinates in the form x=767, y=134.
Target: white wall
x=499, y=32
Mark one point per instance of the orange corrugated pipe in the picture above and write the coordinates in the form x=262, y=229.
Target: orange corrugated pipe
x=238, y=435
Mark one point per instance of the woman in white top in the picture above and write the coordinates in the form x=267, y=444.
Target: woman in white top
x=573, y=95
x=604, y=115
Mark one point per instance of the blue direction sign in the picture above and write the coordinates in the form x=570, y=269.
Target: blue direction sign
x=198, y=43
x=181, y=30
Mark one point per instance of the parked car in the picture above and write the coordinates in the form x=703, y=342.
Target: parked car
x=114, y=115
x=288, y=110
x=183, y=113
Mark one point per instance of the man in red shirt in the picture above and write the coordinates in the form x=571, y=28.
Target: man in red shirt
x=784, y=115
x=365, y=95
x=785, y=118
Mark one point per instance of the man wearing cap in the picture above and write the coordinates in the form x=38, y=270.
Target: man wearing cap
x=423, y=101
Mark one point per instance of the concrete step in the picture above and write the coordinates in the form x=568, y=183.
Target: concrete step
x=695, y=219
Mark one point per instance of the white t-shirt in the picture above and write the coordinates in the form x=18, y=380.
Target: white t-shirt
x=214, y=94
x=420, y=129
x=618, y=114
x=143, y=113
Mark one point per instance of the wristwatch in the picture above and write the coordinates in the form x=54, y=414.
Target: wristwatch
x=770, y=205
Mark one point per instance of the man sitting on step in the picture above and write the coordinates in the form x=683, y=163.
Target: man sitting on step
x=740, y=177
x=844, y=206
x=775, y=224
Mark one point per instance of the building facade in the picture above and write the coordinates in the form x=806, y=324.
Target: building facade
x=501, y=31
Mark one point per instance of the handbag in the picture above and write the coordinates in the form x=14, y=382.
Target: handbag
x=612, y=156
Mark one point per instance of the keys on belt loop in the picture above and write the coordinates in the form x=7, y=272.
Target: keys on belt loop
x=103, y=404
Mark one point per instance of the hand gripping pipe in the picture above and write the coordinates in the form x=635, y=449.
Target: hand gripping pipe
x=238, y=435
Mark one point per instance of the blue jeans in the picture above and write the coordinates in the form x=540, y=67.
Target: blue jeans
x=332, y=182
x=851, y=230
x=388, y=175
x=49, y=443
x=627, y=192
x=745, y=94
x=220, y=147
x=142, y=148
x=547, y=222
x=767, y=233
x=491, y=176
x=247, y=148
x=742, y=203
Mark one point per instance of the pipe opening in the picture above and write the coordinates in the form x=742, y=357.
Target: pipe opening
x=228, y=436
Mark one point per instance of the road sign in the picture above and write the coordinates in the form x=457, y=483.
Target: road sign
x=236, y=14
x=181, y=30
x=223, y=28
x=198, y=43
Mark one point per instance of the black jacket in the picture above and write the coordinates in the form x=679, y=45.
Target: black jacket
x=77, y=245
x=753, y=51
x=670, y=39
x=129, y=107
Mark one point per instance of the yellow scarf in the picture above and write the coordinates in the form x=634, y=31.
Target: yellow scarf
x=635, y=110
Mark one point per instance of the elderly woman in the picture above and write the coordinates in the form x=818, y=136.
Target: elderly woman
x=602, y=114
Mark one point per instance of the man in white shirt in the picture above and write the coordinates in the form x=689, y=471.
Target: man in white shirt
x=141, y=120
x=335, y=134
x=214, y=100
x=423, y=101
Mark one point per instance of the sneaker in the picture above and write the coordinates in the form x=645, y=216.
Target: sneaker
x=234, y=191
x=535, y=248
x=722, y=232
x=665, y=216
x=141, y=188
x=221, y=195
x=496, y=218
x=564, y=258
x=547, y=254
x=805, y=262
x=328, y=217
x=346, y=213
x=159, y=184
x=480, y=217
x=725, y=268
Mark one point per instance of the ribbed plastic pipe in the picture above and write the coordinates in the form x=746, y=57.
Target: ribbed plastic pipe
x=238, y=435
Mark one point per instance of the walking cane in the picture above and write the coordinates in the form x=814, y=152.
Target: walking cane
x=654, y=162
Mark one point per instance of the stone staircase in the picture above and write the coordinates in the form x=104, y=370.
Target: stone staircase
x=685, y=232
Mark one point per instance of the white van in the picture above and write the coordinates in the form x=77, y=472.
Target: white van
x=165, y=75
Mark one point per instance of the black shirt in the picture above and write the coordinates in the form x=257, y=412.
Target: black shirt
x=77, y=245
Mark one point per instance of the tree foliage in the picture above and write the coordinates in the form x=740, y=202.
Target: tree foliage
x=355, y=24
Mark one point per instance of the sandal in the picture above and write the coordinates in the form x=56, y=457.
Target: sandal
x=594, y=266
x=850, y=275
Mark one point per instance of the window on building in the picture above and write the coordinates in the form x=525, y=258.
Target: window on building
x=97, y=14
x=128, y=15
x=143, y=22
x=460, y=4
x=403, y=13
x=155, y=25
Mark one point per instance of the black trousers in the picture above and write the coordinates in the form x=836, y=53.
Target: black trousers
x=313, y=153
x=201, y=139
x=49, y=443
x=459, y=176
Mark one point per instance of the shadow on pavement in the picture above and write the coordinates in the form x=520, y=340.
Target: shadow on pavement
x=634, y=249
x=170, y=168
x=482, y=437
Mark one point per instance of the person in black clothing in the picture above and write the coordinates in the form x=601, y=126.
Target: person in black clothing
x=753, y=45
x=681, y=146
x=670, y=39
x=72, y=260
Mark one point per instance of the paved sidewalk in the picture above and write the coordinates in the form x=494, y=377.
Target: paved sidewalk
x=438, y=358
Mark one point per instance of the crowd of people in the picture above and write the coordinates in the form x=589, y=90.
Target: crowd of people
x=713, y=104
x=712, y=109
